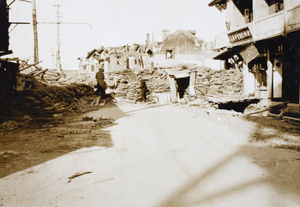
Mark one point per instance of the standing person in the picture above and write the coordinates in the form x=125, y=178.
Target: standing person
x=101, y=85
x=144, y=90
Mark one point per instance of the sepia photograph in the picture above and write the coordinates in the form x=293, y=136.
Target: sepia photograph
x=161, y=103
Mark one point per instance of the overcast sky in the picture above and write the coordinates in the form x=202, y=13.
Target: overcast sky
x=114, y=23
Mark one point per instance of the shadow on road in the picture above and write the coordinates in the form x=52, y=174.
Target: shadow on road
x=268, y=128
x=280, y=173
x=38, y=142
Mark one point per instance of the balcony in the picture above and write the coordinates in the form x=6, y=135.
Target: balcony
x=277, y=24
x=293, y=19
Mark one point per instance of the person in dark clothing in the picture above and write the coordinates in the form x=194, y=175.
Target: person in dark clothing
x=144, y=90
x=101, y=87
x=101, y=84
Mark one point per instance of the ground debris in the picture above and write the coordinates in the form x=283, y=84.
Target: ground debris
x=9, y=125
x=78, y=174
x=87, y=118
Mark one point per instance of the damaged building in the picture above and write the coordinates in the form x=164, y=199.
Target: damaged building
x=262, y=40
x=114, y=58
x=183, y=46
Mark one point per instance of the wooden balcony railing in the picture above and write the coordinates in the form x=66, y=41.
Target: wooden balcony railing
x=277, y=24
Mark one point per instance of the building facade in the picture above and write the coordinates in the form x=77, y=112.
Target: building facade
x=182, y=46
x=120, y=58
x=263, y=41
x=95, y=59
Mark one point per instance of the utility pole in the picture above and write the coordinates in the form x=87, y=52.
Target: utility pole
x=58, y=60
x=35, y=34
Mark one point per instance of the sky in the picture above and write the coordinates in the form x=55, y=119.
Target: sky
x=96, y=23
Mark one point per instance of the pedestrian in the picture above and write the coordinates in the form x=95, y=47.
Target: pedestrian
x=144, y=91
x=101, y=87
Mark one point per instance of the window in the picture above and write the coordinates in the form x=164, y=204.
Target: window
x=248, y=14
x=92, y=68
x=279, y=5
x=170, y=54
x=280, y=48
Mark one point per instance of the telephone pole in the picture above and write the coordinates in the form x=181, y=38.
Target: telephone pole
x=58, y=60
x=35, y=33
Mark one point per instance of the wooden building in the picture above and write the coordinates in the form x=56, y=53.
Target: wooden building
x=263, y=40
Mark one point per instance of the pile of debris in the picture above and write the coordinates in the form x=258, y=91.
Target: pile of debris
x=77, y=79
x=42, y=93
x=126, y=84
x=32, y=72
x=47, y=101
x=222, y=82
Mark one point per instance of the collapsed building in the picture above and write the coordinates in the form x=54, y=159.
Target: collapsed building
x=154, y=62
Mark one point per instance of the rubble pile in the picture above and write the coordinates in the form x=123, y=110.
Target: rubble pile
x=51, y=76
x=47, y=101
x=126, y=84
x=223, y=82
x=76, y=79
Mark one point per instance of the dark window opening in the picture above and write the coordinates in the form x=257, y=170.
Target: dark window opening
x=279, y=6
x=182, y=85
x=170, y=54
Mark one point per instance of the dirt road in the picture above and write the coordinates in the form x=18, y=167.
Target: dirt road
x=163, y=155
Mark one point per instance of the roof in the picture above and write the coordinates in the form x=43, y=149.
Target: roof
x=214, y=2
x=91, y=53
x=224, y=54
x=181, y=38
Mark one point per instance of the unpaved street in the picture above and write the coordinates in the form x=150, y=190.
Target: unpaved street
x=163, y=155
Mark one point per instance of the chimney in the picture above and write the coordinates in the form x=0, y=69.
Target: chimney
x=165, y=33
x=148, y=39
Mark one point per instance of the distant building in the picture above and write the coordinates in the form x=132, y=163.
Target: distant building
x=182, y=46
x=93, y=61
x=114, y=58
x=263, y=40
x=127, y=57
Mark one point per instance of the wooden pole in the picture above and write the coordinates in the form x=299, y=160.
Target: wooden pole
x=58, y=59
x=35, y=34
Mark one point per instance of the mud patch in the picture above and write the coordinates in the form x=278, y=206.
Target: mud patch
x=36, y=143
